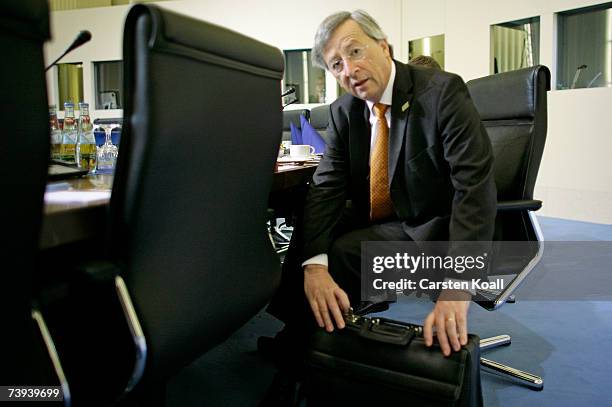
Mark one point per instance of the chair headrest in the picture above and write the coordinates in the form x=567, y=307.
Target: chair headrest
x=186, y=32
x=319, y=117
x=508, y=95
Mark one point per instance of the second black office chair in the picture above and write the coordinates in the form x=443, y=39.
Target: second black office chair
x=319, y=118
x=513, y=109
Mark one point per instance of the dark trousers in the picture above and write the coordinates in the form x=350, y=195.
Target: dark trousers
x=289, y=303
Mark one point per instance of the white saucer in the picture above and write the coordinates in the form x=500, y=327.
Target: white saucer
x=297, y=159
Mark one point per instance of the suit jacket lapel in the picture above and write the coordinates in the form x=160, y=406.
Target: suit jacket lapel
x=359, y=139
x=359, y=145
x=401, y=100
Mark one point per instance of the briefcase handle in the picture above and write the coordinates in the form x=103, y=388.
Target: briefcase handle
x=384, y=330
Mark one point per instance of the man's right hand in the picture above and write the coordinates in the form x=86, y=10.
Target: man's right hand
x=327, y=300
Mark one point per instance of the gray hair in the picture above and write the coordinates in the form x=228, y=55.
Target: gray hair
x=369, y=26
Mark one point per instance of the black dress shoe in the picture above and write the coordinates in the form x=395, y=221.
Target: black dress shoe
x=368, y=307
x=273, y=348
x=267, y=347
x=283, y=391
x=285, y=349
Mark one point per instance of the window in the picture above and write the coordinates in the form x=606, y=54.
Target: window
x=515, y=45
x=308, y=81
x=70, y=84
x=108, y=84
x=428, y=46
x=584, y=53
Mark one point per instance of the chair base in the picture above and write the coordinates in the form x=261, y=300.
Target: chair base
x=277, y=234
x=529, y=380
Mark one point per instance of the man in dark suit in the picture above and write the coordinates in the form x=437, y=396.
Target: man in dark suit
x=436, y=180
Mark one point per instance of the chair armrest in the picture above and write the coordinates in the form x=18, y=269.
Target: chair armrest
x=519, y=205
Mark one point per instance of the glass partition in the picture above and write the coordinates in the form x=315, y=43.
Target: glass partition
x=584, y=47
x=515, y=45
x=108, y=84
x=70, y=84
x=308, y=81
x=429, y=46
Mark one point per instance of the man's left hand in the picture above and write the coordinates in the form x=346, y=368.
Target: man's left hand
x=449, y=318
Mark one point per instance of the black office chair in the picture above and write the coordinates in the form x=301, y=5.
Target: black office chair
x=188, y=208
x=319, y=118
x=513, y=109
x=28, y=354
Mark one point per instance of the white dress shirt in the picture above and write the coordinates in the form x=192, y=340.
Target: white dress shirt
x=385, y=100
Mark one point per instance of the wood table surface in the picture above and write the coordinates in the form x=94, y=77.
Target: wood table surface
x=67, y=221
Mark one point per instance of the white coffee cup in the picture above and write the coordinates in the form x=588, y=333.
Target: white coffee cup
x=301, y=150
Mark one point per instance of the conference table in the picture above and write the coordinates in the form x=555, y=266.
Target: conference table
x=76, y=210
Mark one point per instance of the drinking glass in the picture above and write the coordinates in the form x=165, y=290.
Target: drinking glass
x=107, y=154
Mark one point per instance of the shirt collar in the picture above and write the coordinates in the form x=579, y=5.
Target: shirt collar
x=387, y=95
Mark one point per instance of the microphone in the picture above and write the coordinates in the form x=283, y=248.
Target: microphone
x=83, y=37
x=288, y=92
x=577, y=75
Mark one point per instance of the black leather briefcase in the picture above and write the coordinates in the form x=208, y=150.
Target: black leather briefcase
x=378, y=361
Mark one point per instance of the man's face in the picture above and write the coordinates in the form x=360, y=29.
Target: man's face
x=360, y=64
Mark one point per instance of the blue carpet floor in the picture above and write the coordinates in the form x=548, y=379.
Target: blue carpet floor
x=568, y=343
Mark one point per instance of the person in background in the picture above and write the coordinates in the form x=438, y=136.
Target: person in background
x=426, y=61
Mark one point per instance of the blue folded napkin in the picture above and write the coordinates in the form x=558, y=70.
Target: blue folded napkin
x=296, y=134
x=312, y=137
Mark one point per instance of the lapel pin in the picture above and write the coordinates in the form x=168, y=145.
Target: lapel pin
x=405, y=106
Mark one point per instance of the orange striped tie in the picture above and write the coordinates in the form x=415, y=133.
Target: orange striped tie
x=381, y=206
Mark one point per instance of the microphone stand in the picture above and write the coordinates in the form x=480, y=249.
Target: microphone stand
x=83, y=37
x=290, y=102
x=577, y=75
x=57, y=60
x=593, y=80
x=288, y=92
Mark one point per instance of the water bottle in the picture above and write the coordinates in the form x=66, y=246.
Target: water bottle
x=69, y=134
x=54, y=132
x=86, y=143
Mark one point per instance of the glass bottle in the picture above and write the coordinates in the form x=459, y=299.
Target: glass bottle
x=69, y=134
x=86, y=144
x=55, y=133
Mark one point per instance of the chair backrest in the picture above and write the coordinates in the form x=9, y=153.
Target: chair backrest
x=24, y=143
x=319, y=118
x=513, y=109
x=188, y=207
x=293, y=116
x=512, y=106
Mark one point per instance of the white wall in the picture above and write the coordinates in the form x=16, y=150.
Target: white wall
x=106, y=26
x=284, y=24
x=575, y=181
